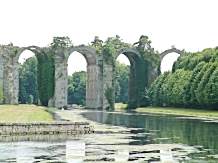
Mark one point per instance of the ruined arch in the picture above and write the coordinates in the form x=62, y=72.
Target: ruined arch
x=169, y=51
x=88, y=52
x=175, y=50
x=136, y=76
x=36, y=51
x=93, y=96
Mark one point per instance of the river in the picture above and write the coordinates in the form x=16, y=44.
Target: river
x=120, y=137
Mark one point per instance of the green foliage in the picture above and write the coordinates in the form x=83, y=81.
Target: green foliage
x=28, y=85
x=144, y=60
x=189, y=90
x=46, y=71
x=211, y=89
x=30, y=99
x=111, y=47
x=77, y=88
x=121, y=84
x=203, y=82
x=109, y=94
x=147, y=52
x=97, y=44
x=62, y=42
x=155, y=93
x=193, y=83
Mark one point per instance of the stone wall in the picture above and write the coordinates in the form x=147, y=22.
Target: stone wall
x=61, y=80
x=10, y=74
x=108, y=75
x=92, y=87
x=45, y=128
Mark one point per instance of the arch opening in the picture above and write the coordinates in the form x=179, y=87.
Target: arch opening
x=122, y=73
x=77, y=79
x=28, y=85
x=167, y=61
x=137, y=78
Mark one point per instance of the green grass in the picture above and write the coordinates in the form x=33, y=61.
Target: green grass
x=200, y=113
x=24, y=113
x=120, y=106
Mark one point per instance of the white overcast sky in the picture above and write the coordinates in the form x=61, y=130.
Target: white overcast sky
x=188, y=24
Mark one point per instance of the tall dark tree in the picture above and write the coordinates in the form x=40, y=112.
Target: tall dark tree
x=122, y=83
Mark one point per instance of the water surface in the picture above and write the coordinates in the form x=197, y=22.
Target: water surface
x=126, y=138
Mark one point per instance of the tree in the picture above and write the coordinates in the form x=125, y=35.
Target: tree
x=122, y=82
x=77, y=88
x=28, y=86
x=193, y=82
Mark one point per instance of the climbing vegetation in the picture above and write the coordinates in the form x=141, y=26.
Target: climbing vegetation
x=145, y=60
x=45, y=77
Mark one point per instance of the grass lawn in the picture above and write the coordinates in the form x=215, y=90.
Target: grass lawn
x=24, y=113
x=200, y=113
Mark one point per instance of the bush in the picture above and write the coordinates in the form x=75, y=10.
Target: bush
x=193, y=82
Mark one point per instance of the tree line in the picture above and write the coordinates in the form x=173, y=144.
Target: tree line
x=193, y=82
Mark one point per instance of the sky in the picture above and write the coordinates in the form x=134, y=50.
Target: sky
x=187, y=24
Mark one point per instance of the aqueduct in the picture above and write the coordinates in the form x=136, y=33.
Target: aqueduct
x=100, y=74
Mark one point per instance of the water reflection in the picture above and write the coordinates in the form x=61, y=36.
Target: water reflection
x=145, y=138
x=164, y=129
x=29, y=152
x=75, y=151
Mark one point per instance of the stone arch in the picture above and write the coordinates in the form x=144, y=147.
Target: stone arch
x=93, y=94
x=166, y=52
x=88, y=52
x=172, y=50
x=130, y=53
x=34, y=49
x=134, y=77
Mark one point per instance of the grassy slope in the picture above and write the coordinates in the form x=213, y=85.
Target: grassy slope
x=24, y=113
x=180, y=111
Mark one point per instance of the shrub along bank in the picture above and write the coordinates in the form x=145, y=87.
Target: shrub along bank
x=192, y=83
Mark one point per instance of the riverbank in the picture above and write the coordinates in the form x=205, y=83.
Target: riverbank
x=197, y=113
x=24, y=114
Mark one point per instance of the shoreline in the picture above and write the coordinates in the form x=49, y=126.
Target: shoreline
x=211, y=115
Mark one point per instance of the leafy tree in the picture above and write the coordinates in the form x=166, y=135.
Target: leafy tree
x=210, y=91
x=46, y=72
x=189, y=95
x=122, y=83
x=193, y=82
x=203, y=82
x=77, y=88
x=28, y=81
